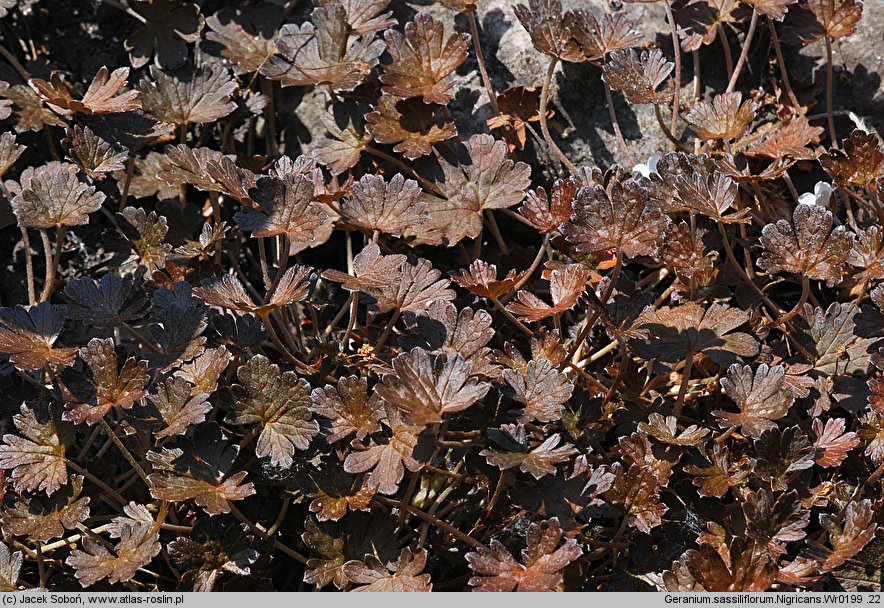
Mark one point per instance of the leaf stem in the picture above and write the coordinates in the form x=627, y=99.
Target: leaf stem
x=831, y=117
x=354, y=309
x=265, y=268
x=466, y=538
x=124, y=451
x=8, y=56
x=683, y=389
x=480, y=59
x=29, y=266
x=340, y=315
x=85, y=473
x=544, y=127
x=214, y=198
x=263, y=534
x=678, y=145
x=130, y=171
x=676, y=50
x=726, y=47
x=578, y=341
x=509, y=316
x=269, y=117
x=526, y=276
x=125, y=9
x=286, y=354
x=52, y=261
x=387, y=330
x=495, y=232
x=742, y=273
x=784, y=74
x=616, y=124
x=744, y=53
x=799, y=306
x=427, y=184
x=73, y=539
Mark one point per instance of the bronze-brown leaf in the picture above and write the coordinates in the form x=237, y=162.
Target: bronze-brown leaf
x=422, y=59
x=541, y=566
x=622, y=218
x=725, y=117
x=761, y=396
x=426, y=387
x=808, y=247
x=104, y=95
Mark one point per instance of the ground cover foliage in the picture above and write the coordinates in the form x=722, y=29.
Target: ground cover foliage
x=410, y=357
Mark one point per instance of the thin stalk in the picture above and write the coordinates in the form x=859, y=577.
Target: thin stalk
x=8, y=56
x=744, y=53
x=544, y=127
x=621, y=373
x=495, y=232
x=314, y=320
x=124, y=450
x=72, y=540
x=29, y=266
x=354, y=309
x=50, y=144
x=528, y=273
x=697, y=90
x=676, y=50
x=799, y=306
x=477, y=243
x=408, y=496
x=125, y=9
x=603, y=351
x=784, y=74
x=248, y=438
x=387, y=330
x=515, y=216
x=265, y=268
x=216, y=214
x=281, y=517
x=761, y=202
x=89, y=441
x=742, y=273
x=726, y=47
x=876, y=475
x=570, y=358
x=269, y=117
x=97, y=481
x=130, y=171
x=498, y=491
x=286, y=354
x=41, y=566
x=509, y=316
x=138, y=337
x=616, y=124
x=432, y=519
x=680, y=146
x=832, y=135
x=683, y=389
x=263, y=534
x=480, y=59
x=434, y=508
x=340, y=315
x=52, y=262
x=427, y=185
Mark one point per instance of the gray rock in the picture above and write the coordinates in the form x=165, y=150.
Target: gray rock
x=859, y=67
x=582, y=125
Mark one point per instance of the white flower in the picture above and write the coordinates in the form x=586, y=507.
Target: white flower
x=645, y=169
x=821, y=195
